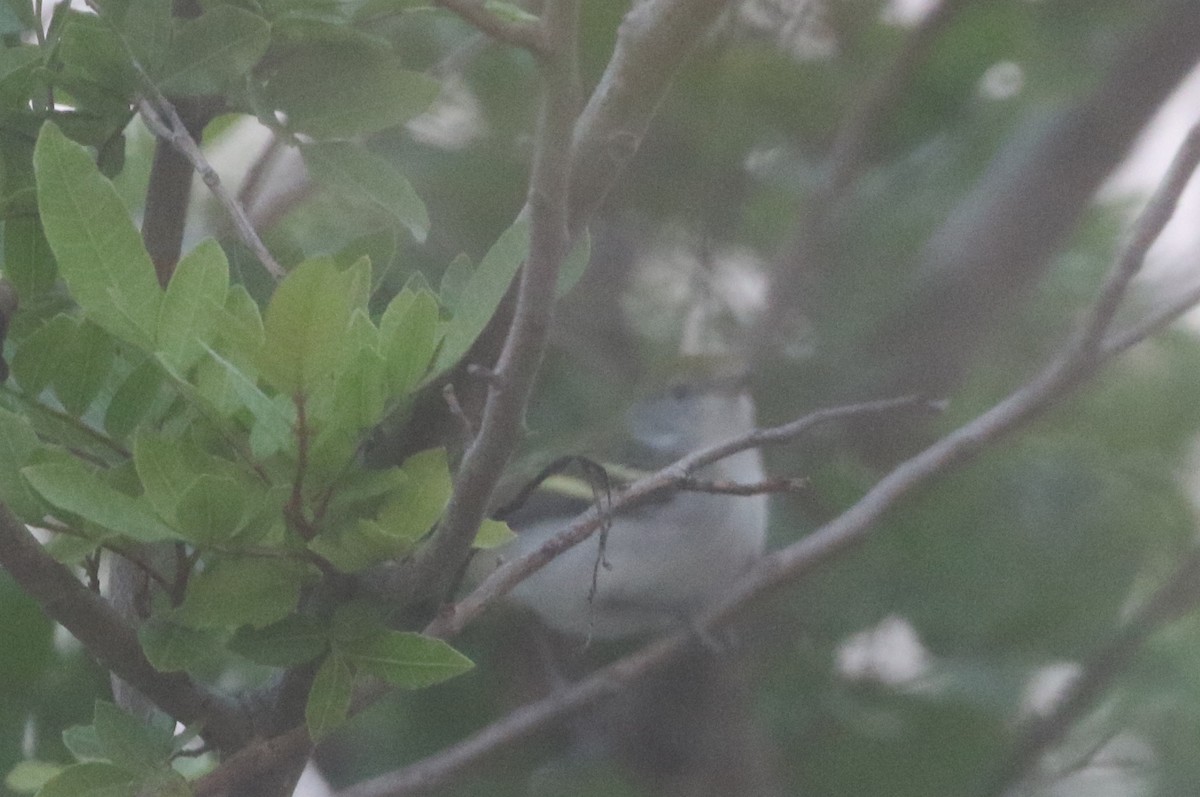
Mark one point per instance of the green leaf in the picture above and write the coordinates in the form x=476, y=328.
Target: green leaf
x=167, y=466
x=354, y=548
x=128, y=742
x=17, y=442
x=28, y=261
x=293, y=640
x=231, y=592
x=193, y=307
x=408, y=339
x=421, y=499
x=273, y=420
x=333, y=91
x=305, y=323
x=172, y=647
x=99, y=252
x=242, y=326
x=75, y=489
x=213, y=509
x=493, y=534
x=82, y=364
x=92, y=779
x=133, y=399
x=214, y=50
x=482, y=294
x=355, y=172
x=329, y=698
x=83, y=743
x=146, y=27
x=454, y=281
x=406, y=659
x=30, y=775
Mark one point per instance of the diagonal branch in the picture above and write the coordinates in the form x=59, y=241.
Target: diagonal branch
x=512, y=380
x=788, y=565
x=96, y=624
x=675, y=476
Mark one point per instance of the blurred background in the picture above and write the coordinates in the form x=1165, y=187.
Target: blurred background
x=852, y=199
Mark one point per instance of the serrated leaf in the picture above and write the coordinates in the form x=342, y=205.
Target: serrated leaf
x=293, y=640
x=406, y=659
x=17, y=442
x=305, y=322
x=482, y=294
x=408, y=339
x=99, y=252
x=355, y=172
x=92, y=779
x=172, y=647
x=333, y=90
x=329, y=698
x=193, y=306
x=127, y=742
x=232, y=592
x=212, y=51
x=75, y=489
x=493, y=534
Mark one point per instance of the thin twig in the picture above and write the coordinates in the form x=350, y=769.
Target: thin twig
x=520, y=34
x=163, y=120
x=453, y=619
x=1149, y=226
x=764, y=487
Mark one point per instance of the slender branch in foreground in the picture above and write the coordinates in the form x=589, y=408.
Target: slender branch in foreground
x=1178, y=596
x=1149, y=226
x=520, y=34
x=163, y=120
x=654, y=39
x=509, y=390
x=452, y=619
x=105, y=636
x=787, y=565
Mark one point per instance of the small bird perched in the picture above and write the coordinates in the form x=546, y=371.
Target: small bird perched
x=664, y=561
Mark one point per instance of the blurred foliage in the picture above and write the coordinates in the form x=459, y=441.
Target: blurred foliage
x=1023, y=560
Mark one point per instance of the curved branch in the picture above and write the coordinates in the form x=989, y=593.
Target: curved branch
x=96, y=624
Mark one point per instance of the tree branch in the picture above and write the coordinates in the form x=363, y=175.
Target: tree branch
x=677, y=475
x=103, y=633
x=788, y=565
x=653, y=41
x=509, y=390
x=163, y=120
